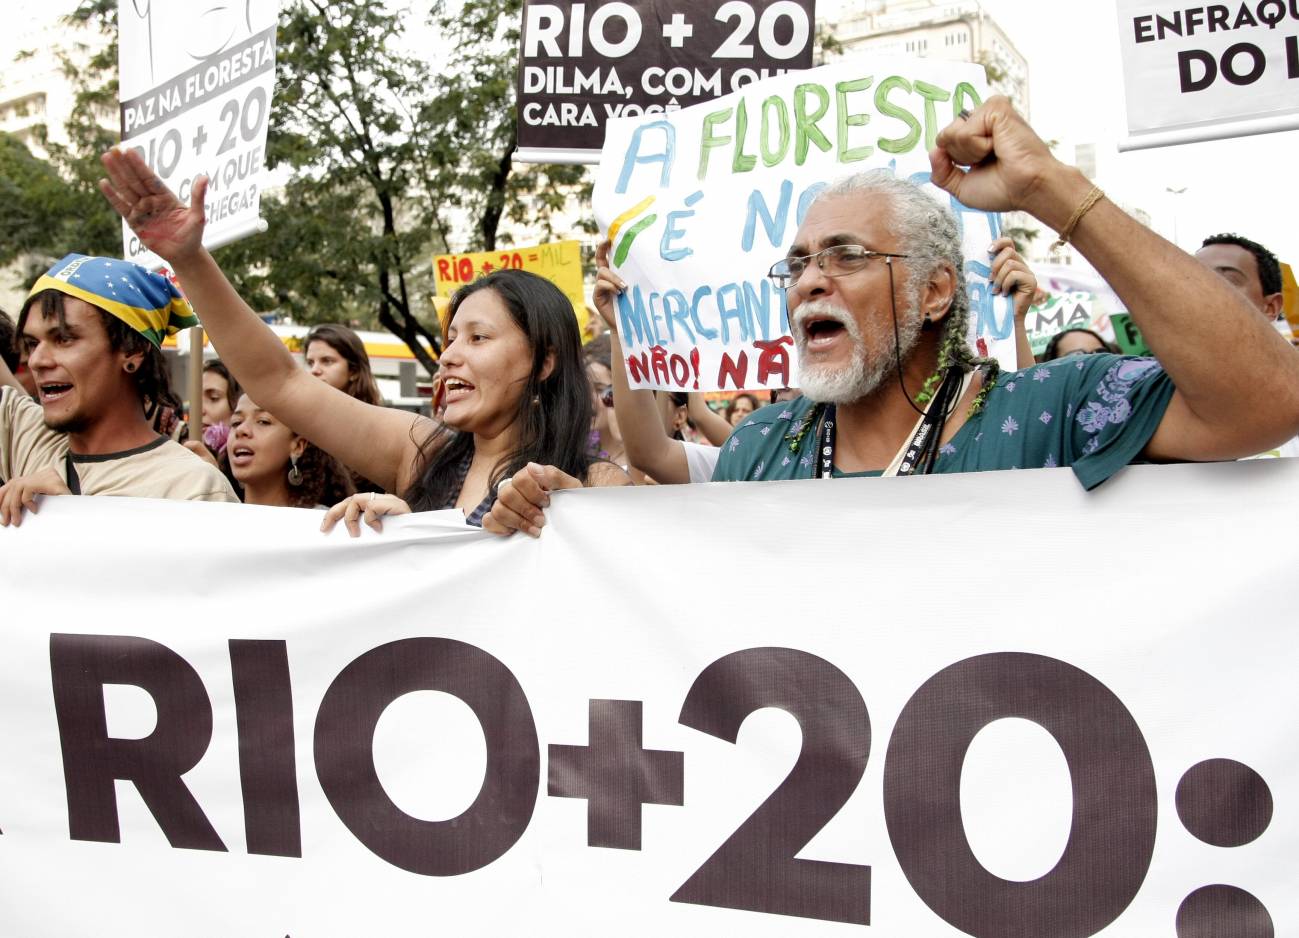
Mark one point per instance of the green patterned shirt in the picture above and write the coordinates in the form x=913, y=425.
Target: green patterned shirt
x=1094, y=413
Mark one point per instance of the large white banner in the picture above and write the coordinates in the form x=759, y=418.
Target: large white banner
x=987, y=704
x=196, y=81
x=1208, y=71
x=700, y=202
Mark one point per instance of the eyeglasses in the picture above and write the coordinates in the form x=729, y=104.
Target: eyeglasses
x=835, y=261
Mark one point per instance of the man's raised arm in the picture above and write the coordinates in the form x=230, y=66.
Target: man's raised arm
x=1237, y=379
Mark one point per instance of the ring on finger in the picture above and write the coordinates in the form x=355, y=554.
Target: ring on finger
x=500, y=486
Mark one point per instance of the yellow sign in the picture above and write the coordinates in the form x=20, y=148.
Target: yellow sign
x=1290, y=293
x=560, y=262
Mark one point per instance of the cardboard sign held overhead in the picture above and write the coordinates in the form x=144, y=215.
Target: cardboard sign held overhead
x=196, y=87
x=701, y=202
x=560, y=262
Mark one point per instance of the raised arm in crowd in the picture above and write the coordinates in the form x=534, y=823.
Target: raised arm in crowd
x=879, y=313
x=517, y=401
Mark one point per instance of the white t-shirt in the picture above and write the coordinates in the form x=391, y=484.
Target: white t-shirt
x=161, y=469
x=701, y=460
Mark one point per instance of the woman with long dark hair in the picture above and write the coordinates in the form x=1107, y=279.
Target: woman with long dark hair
x=517, y=399
x=336, y=355
x=275, y=466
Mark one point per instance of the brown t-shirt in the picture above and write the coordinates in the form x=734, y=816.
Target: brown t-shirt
x=161, y=469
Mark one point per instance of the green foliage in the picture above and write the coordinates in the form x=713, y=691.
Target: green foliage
x=52, y=206
x=387, y=162
x=475, y=105
x=37, y=221
x=351, y=235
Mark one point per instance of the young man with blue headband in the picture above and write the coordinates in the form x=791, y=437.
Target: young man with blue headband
x=92, y=329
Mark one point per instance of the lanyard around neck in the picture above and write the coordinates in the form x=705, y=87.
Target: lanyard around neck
x=920, y=451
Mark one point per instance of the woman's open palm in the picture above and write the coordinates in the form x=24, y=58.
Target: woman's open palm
x=164, y=225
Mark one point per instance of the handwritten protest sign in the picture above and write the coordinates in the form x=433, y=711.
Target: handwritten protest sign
x=1210, y=71
x=1062, y=311
x=699, y=204
x=583, y=63
x=196, y=82
x=560, y=262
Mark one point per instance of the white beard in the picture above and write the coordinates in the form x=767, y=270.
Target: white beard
x=872, y=358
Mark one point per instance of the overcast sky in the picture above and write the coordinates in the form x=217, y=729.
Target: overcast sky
x=1248, y=185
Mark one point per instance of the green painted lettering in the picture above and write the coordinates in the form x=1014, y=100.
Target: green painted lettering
x=845, y=120
x=742, y=162
x=932, y=95
x=965, y=98
x=805, y=130
x=774, y=113
x=709, y=141
x=907, y=142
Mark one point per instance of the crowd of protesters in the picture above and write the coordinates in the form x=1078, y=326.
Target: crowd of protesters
x=878, y=310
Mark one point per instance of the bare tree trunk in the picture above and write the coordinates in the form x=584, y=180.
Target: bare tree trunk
x=495, y=208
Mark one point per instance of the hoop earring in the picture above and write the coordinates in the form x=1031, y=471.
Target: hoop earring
x=295, y=474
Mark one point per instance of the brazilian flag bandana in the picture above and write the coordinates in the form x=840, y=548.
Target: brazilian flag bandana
x=147, y=302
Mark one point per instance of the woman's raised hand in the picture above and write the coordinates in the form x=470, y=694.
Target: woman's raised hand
x=1011, y=276
x=607, y=286
x=162, y=222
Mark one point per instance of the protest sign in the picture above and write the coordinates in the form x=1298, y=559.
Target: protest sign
x=701, y=202
x=434, y=730
x=584, y=63
x=195, y=89
x=1209, y=71
x=560, y=262
x=1061, y=311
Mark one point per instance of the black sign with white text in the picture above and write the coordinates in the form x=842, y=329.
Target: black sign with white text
x=584, y=63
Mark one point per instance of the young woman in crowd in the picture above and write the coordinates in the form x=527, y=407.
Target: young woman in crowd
x=220, y=394
x=336, y=355
x=739, y=407
x=606, y=440
x=275, y=466
x=1074, y=342
x=518, y=406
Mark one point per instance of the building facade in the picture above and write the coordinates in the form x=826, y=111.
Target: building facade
x=957, y=30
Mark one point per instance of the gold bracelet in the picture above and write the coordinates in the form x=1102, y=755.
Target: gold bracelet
x=1067, y=232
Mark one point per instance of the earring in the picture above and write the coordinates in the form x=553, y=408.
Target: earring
x=927, y=324
x=130, y=368
x=536, y=400
x=295, y=474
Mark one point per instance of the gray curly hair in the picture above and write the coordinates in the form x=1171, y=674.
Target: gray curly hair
x=931, y=238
